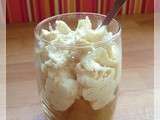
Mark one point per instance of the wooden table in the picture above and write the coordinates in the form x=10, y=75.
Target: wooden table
x=136, y=90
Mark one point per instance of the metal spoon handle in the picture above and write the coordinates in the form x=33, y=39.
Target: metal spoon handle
x=113, y=12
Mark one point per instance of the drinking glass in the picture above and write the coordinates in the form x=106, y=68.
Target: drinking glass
x=53, y=101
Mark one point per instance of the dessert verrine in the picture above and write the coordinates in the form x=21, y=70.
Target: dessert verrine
x=80, y=71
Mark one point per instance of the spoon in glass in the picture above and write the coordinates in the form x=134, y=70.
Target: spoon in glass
x=113, y=12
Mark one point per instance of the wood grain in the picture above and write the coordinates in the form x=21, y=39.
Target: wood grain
x=135, y=100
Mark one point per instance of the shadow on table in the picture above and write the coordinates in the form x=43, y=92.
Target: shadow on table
x=40, y=117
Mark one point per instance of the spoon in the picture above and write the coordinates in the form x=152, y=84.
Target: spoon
x=113, y=12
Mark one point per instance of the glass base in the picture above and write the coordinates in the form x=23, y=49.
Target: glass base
x=80, y=110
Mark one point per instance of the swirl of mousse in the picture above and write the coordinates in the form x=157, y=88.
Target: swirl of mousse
x=61, y=91
x=97, y=76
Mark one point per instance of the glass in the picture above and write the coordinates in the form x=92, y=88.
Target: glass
x=79, y=108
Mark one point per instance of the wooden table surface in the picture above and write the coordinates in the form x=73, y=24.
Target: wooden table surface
x=136, y=90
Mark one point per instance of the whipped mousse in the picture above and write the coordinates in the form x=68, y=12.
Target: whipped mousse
x=76, y=67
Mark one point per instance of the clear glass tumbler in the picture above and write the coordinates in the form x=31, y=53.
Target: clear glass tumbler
x=96, y=92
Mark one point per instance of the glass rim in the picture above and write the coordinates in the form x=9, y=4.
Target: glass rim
x=114, y=36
